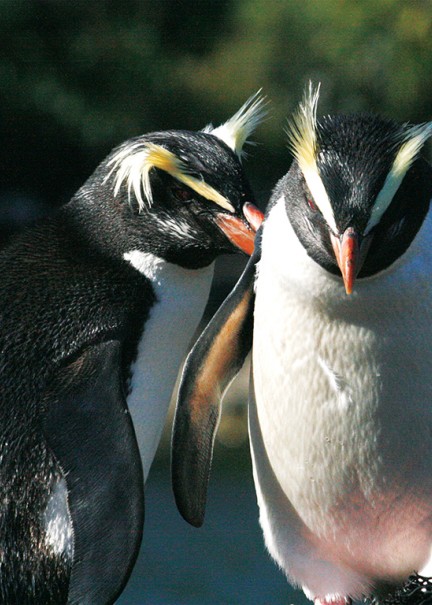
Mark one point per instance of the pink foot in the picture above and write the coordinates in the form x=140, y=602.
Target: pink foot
x=333, y=600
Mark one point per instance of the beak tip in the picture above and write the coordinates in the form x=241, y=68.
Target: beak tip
x=242, y=232
x=347, y=253
x=253, y=215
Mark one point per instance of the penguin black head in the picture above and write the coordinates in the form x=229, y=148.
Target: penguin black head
x=357, y=192
x=179, y=194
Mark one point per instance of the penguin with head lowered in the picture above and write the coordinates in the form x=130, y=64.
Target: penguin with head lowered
x=97, y=307
x=336, y=303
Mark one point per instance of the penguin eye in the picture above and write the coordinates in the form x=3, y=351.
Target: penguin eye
x=311, y=204
x=182, y=194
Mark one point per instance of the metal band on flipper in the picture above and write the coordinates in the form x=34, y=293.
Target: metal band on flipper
x=213, y=363
x=89, y=429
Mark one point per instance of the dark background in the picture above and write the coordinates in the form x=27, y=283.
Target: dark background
x=77, y=77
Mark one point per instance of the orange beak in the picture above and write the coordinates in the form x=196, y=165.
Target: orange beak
x=347, y=253
x=350, y=250
x=242, y=232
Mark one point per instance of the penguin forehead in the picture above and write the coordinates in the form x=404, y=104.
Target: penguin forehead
x=354, y=156
x=356, y=146
x=210, y=160
x=203, y=154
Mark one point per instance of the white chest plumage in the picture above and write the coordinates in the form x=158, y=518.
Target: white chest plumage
x=181, y=296
x=343, y=417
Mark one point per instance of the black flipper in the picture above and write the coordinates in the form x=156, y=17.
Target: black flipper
x=213, y=363
x=90, y=431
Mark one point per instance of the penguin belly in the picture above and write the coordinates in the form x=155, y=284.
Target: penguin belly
x=181, y=297
x=340, y=419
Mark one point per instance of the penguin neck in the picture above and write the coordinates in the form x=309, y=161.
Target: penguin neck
x=181, y=296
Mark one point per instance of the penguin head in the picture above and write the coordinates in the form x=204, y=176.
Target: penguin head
x=183, y=195
x=357, y=191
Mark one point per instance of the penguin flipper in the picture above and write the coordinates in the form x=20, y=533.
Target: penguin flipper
x=213, y=363
x=90, y=432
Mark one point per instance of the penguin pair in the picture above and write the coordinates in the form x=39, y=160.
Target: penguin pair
x=98, y=304
x=335, y=303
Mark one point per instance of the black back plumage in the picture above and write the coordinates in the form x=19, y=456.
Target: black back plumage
x=59, y=300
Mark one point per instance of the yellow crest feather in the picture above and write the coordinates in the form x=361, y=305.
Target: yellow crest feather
x=235, y=131
x=413, y=140
x=302, y=139
x=133, y=163
x=302, y=130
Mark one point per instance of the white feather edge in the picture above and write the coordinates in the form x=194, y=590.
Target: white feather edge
x=235, y=131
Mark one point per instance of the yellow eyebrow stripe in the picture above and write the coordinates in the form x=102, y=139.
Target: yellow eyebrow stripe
x=133, y=164
x=413, y=141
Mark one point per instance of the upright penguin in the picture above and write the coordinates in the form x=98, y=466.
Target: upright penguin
x=97, y=306
x=340, y=405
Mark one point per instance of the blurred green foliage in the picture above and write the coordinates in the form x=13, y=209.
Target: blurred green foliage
x=78, y=77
